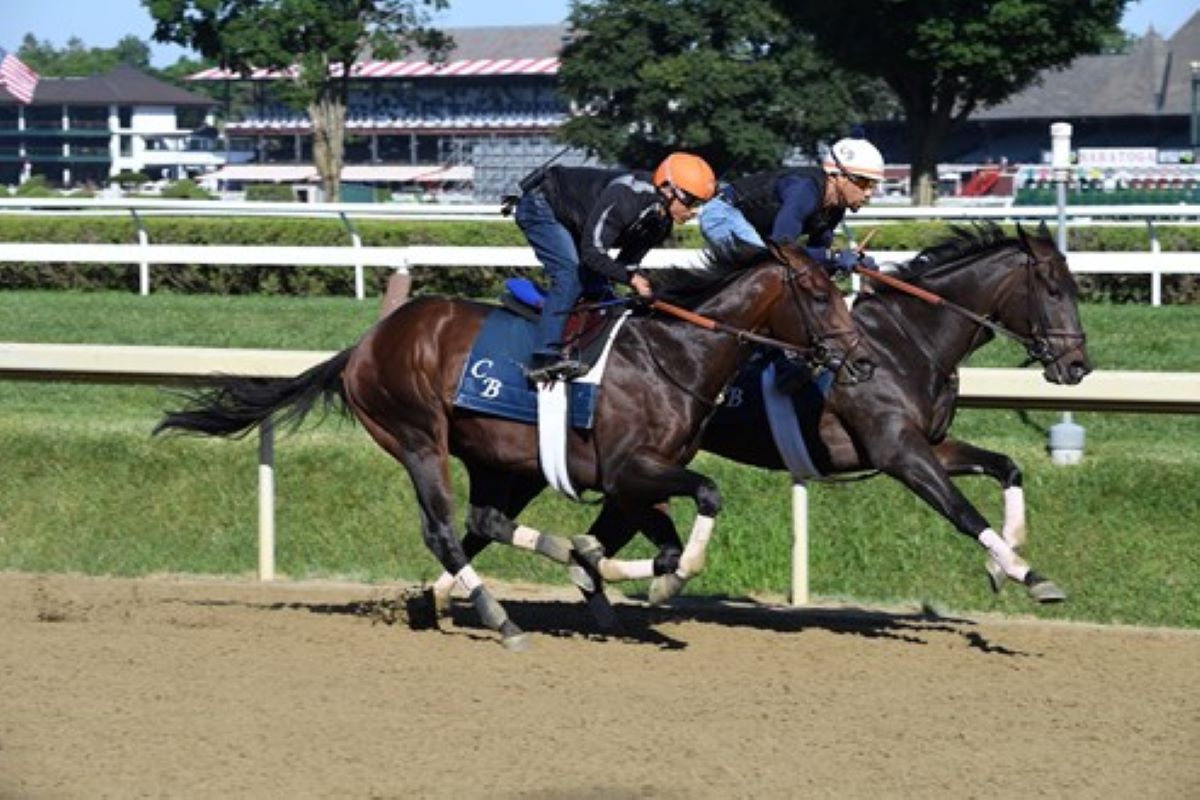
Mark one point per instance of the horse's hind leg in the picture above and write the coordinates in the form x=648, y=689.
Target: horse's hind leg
x=496, y=500
x=427, y=462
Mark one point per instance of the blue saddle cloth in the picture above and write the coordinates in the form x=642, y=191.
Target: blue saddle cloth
x=744, y=405
x=493, y=380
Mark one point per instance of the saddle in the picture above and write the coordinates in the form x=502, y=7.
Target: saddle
x=586, y=331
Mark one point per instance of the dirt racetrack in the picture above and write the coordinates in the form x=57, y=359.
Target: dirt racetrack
x=196, y=688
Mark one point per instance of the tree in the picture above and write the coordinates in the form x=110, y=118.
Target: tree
x=944, y=59
x=726, y=79
x=316, y=42
x=78, y=60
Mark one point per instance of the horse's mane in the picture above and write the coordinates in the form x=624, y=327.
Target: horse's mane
x=689, y=287
x=963, y=241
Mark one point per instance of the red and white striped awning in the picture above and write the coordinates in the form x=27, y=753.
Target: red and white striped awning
x=407, y=69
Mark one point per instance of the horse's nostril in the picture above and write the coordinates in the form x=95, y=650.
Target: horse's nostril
x=1079, y=370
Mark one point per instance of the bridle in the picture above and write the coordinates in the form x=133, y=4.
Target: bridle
x=818, y=354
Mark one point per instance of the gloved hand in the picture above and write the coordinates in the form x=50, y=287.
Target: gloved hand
x=868, y=262
x=841, y=262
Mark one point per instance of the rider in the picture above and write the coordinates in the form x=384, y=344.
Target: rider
x=572, y=216
x=783, y=205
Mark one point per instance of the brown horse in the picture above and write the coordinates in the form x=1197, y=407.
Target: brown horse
x=663, y=380
x=897, y=423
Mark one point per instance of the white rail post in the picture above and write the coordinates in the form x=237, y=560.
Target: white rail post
x=359, y=283
x=266, y=501
x=143, y=244
x=1155, y=274
x=799, y=595
x=1066, y=438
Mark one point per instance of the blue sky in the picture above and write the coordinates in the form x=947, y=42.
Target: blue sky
x=100, y=23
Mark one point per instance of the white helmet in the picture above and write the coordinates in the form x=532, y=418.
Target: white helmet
x=856, y=157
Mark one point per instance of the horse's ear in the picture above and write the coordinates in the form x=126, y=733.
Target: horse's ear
x=1023, y=237
x=1044, y=231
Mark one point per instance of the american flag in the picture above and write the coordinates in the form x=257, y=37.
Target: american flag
x=18, y=79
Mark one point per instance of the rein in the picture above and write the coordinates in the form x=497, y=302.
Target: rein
x=720, y=327
x=1028, y=342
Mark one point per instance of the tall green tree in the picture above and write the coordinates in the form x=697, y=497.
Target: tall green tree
x=727, y=79
x=77, y=60
x=944, y=59
x=318, y=41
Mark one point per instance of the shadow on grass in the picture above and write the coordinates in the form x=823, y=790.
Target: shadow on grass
x=643, y=624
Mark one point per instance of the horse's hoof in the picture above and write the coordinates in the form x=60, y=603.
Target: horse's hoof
x=996, y=576
x=581, y=578
x=664, y=587
x=517, y=643
x=1047, y=592
x=1043, y=590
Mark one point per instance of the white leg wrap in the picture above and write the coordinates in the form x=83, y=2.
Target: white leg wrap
x=443, y=585
x=1012, y=564
x=468, y=579
x=691, y=563
x=614, y=569
x=525, y=538
x=1014, y=516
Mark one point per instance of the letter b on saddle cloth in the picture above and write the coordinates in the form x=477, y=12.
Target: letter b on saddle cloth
x=495, y=382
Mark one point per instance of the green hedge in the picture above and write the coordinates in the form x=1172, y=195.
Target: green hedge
x=466, y=281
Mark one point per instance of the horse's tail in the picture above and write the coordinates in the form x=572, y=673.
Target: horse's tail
x=235, y=406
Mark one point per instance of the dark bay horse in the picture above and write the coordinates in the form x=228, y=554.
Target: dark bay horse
x=662, y=382
x=897, y=423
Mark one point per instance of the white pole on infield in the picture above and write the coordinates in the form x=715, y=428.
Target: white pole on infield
x=799, y=543
x=266, y=501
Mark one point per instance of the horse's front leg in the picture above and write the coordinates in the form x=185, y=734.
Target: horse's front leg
x=644, y=481
x=960, y=458
x=910, y=460
x=612, y=529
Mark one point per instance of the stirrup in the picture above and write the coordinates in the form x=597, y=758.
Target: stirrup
x=563, y=370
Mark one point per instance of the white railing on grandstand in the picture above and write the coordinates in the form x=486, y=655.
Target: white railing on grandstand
x=990, y=388
x=1151, y=262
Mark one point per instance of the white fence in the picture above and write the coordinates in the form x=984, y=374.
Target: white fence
x=991, y=388
x=1152, y=262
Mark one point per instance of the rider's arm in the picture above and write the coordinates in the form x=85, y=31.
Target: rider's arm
x=619, y=207
x=799, y=199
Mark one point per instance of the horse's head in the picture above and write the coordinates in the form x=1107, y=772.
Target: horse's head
x=1050, y=319
x=813, y=310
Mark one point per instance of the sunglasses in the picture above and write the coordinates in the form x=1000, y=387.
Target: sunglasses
x=866, y=184
x=687, y=199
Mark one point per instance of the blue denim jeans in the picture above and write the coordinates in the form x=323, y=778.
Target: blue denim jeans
x=555, y=248
x=725, y=228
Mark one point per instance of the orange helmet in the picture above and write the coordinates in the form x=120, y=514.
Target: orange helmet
x=688, y=173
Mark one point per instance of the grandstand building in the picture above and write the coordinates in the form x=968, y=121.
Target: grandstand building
x=480, y=120
x=76, y=131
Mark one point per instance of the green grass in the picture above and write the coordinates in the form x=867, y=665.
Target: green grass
x=84, y=488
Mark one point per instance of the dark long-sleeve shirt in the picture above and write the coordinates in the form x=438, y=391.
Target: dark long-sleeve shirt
x=607, y=209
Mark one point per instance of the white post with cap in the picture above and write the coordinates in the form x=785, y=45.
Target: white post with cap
x=1066, y=438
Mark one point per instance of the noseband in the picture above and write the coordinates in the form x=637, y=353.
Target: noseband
x=822, y=353
x=1037, y=343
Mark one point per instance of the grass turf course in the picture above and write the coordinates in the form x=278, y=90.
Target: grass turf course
x=84, y=487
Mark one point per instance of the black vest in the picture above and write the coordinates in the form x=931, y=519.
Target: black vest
x=755, y=197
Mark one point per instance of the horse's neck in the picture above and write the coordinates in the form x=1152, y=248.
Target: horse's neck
x=978, y=286
x=716, y=357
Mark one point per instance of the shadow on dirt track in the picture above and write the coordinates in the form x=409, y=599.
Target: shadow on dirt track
x=644, y=624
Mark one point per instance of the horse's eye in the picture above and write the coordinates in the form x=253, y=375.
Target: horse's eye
x=821, y=297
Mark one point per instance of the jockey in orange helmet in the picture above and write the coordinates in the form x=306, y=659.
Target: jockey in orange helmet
x=572, y=217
